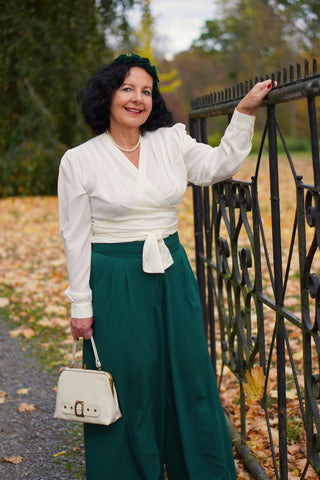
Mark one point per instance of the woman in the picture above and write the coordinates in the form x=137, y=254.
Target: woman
x=130, y=281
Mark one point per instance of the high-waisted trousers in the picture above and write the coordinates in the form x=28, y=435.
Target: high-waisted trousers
x=149, y=335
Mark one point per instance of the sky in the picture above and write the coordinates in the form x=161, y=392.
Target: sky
x=179, y=22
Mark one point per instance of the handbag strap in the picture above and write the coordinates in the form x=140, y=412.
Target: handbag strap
x=94, y=348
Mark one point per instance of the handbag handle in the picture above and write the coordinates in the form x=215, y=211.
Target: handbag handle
x=94, y=348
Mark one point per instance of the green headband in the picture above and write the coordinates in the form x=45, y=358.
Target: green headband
x=127, y=58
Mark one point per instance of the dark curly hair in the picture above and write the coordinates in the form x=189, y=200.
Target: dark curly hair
x=95, y=99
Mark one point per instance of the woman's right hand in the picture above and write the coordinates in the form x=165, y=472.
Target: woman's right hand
x=81, y=327
x=254, y=97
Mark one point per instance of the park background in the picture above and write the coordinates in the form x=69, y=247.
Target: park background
x=48, y=51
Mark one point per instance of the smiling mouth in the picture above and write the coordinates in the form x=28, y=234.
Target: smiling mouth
x=134, y=110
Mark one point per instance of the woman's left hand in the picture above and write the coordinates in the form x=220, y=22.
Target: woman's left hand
x=81, y=327
x=254, y=97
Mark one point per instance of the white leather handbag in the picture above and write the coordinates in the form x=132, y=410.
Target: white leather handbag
x=87, y=396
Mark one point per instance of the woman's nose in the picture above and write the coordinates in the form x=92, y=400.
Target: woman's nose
x=137, y=96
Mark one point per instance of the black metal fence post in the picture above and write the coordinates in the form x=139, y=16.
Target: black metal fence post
x=277, y=265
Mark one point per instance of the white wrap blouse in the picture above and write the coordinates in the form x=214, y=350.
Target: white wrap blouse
x=104, y=198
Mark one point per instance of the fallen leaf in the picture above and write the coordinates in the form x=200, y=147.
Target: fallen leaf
x=45, y=322
x=3, y=395
x=61, y=322
x=26, y=299
x=14, y=460
x=291, y=394
x=26, y=332
x=298, y=355
x=4, y=302
x=59, y=454
x=254, y=389
x=24, y=407
x=23, y=391
x=56, y=309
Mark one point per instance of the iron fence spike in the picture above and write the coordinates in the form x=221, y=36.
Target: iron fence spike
x=279, y=77
x=298, y=71
x=291, y=73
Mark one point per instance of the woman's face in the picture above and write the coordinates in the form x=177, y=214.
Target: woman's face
x=131, y=103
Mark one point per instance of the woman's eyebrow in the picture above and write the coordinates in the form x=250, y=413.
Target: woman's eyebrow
x=132, y=85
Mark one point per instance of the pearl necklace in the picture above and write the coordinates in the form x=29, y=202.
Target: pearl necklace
x=128, y=150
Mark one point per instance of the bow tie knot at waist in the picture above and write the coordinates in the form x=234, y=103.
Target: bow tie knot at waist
x=156, y=256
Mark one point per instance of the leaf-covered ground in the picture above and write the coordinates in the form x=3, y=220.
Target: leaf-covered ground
x=33, y=278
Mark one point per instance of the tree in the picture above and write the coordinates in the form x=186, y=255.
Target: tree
x=303, y=23
x=47, y=51
x=169, y=81
x=250, y=37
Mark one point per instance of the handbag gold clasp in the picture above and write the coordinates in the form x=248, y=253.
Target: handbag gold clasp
x=78, y=408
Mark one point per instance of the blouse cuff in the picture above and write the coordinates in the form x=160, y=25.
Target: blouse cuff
x=243, y=121
x=81, y=310
x=81, y=304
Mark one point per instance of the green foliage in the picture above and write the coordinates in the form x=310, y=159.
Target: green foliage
x=241, y=36
x=303, y=23
x=30, y=169
x=294, y=144
x=47, y=52
x=214, y=139
x=248, y=39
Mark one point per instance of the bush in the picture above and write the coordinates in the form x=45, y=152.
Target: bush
x=214, y=139
x=300, y=144
x=294, y=144
x=30, y=169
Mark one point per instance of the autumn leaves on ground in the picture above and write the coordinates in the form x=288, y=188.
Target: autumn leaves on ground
x=32, y=281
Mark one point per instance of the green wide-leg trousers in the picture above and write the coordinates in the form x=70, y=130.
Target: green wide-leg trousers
x=149, y=335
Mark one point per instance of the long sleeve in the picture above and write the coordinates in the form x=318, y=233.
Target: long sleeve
x=206, y=165
x=75, y=229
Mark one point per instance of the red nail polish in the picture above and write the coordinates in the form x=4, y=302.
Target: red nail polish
x=269, y=85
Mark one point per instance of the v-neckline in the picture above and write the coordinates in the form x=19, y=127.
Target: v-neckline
x=126, y=160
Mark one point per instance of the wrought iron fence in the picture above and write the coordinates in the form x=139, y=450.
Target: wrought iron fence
x=260, y=294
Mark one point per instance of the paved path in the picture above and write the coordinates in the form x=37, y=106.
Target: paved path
x=35, y=435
